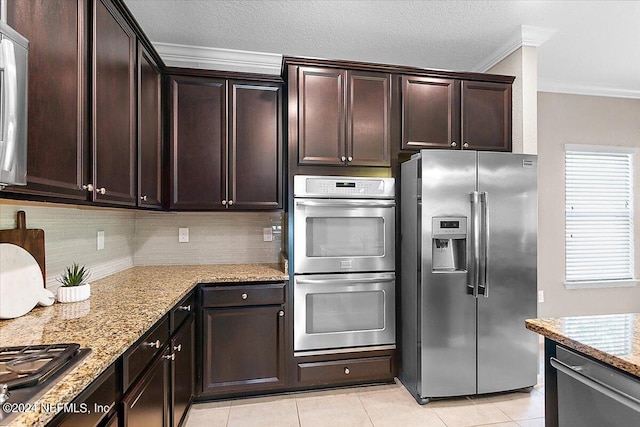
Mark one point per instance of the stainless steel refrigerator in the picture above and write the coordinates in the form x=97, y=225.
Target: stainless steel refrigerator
x=468, y=272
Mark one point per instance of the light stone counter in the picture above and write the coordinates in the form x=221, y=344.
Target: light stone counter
x=612, y=339
x=121, y=309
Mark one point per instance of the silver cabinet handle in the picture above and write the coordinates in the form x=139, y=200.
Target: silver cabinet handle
x=595, y=384
x=88, y=187
x=350, y=159
x=143, y=198
x=244, y=296
x=224, y=203
x=347, y=371
x=281, y=313
x=230, y=202
x=177, y=347
x=465, y=145
x=101, y=190
x=343, y=158
x=155, y=344
x=185, y=307
x=454, y=144
x=171, y=356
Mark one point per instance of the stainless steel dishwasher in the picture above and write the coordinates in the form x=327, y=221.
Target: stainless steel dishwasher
x=592, y=394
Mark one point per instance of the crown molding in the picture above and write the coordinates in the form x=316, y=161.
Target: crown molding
x=526, y=35
x=586, y=89
x=208, y=58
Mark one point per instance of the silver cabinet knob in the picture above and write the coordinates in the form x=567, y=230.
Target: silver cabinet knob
x=177, y=347
x=465, y=145
x=230, y=202
x=155, y=344
x=101, y=190
x=171, y=356
x=347, y=371
x=244, y=296
x=454, y=144
x=343, y=158
x=224, y=203
x=350, y=159
x=185, y=307
x=281, y=313
x=88, y=187
x=143, y=198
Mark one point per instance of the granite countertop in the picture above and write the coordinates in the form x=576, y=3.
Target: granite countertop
x=122, y=307
x=613, y=339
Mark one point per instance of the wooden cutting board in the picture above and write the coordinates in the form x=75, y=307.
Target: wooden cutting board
x=31, y=239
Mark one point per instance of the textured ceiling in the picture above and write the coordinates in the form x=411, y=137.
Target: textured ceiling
x=596, y=43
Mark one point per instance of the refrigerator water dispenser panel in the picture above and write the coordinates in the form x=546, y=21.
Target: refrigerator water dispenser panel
x=449, y=244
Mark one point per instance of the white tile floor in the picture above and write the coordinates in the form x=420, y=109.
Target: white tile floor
x=381, y=405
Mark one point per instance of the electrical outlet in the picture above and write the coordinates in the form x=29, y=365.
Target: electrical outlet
x=100, y=241
x=540, y=296
x=267, y=234
x=183, y=235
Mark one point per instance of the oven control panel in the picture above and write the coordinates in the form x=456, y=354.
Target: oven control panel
x=342, y=186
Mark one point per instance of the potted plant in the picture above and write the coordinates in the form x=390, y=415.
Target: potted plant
x=74, y=286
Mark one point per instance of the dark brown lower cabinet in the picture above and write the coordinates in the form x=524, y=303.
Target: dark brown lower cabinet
x=147, y=403
x=183, y=374
x=243, y=345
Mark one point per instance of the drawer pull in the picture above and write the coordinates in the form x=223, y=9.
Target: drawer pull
x=171, y=356
x=347, y=371
x=177, y=347
x=244, y=296
x=185, y=307
x=281, y=313
x=155, y=344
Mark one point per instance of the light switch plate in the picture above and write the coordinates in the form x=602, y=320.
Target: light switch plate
x=267, y=234
x=183, y=235
x=540, y=296
x=100, y=240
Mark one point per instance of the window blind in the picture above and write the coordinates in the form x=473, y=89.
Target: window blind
x=598, y=216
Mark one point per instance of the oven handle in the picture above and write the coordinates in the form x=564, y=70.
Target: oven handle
x=349, y=203
x=320, y=281
x=603, y=388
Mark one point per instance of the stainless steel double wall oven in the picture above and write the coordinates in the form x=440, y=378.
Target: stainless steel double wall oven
x=344, y=262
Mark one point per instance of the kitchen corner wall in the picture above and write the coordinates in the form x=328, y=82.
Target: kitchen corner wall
x=143, y=237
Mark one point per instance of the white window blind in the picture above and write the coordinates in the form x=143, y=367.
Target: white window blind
x=598, y=216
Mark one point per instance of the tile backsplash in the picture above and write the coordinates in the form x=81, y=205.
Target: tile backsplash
x=143, y=237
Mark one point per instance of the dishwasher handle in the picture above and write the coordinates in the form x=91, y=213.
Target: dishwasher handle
x=572, y=371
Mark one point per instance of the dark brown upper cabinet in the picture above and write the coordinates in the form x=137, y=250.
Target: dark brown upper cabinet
x=450, y=113
x=114, y=107
x=149, y=130
x=343, y=117
x=57, y=132
x=226, y=150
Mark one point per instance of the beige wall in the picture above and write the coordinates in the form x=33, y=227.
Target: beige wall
x=577, y=119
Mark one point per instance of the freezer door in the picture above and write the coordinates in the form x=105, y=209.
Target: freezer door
x=507, y=351
x=447, y=314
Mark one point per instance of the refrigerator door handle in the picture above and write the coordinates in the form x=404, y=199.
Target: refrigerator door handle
x=483, y=273
x=473, y=261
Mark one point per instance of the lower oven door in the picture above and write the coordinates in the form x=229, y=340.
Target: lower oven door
x=344, y=310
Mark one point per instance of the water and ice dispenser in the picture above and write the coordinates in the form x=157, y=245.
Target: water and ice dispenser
x=449, y=244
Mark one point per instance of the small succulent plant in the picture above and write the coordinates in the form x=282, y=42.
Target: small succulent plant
x=74, y=275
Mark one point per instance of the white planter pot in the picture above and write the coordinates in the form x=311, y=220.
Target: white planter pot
x=74, y=293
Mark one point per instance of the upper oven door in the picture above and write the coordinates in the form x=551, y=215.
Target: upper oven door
x=338, y=235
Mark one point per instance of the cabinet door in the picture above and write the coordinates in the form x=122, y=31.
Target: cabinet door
x=57, y=132
x=243, y=349
x=198, y=150
x=149, y=130
x=368, y=115
x=147, y=403
x=321, y=116
x=486, y=116
x=255, y=153
x=114, y=139
x=430, y=113
x=183, y=375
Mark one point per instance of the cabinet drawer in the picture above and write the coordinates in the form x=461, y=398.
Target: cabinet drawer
x=229, y=296
x=181, y=311
x=136, y=359
x=347, y=370
x=100, y=398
